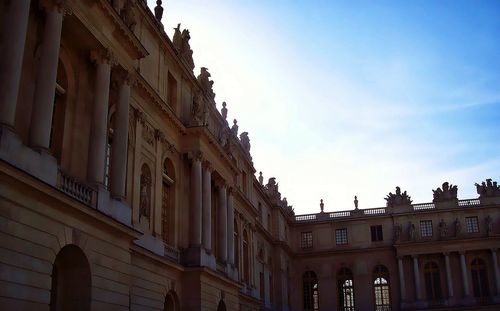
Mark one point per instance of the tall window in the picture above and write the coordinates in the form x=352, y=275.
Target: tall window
x=306, y=240
x=261, y=286
x=172, y=91
x=341, y=236
x=168, y=201
x=381, y=288
x=426, y=228
x=471, y=224
x=310, y=291
x=345, y=290
x=58, y=113
x=236, y=245
x=432, y=282
x=246, y=259
x=479, y=280
x=271, y=289
x=376, y=232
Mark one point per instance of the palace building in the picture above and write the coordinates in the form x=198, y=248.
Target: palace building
x=123, y=187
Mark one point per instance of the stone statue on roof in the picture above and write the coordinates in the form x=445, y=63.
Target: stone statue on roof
x=448, y=192
x=398, y=198
x=182, y=46
x=245, y=142
x=488, y=189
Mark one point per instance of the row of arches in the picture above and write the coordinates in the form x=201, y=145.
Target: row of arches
x=72, y=283
x=345, y=289
x=381, y=286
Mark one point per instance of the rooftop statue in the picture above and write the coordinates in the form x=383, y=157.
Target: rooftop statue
x=488, y=189
x=205, y=82
x=355, y=202
x=234, y=128
x=272, y=190
x=322, y=205
x=223, y=111
x=158, y=10
x=181, y=44
x=398, y=198
x=245, y=142
x=447, y=193
x=261, y=179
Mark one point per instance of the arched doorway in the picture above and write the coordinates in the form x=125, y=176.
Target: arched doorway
x=71, y=281
x=171, y=302
x=222, y=306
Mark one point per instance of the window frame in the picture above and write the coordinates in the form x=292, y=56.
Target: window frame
x=472, y=224
x=306, y=240
x=377, y=233
x=426, y=228
x=342, y=238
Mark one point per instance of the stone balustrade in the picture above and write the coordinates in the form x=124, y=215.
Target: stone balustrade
x=377, y=211
x=76, y=189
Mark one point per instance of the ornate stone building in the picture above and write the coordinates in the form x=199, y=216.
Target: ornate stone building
x=122, y=187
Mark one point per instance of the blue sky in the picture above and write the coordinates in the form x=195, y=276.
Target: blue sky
x=344, y=98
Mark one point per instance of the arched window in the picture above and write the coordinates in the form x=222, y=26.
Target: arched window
x=246, y=259
x=221, y=306
x=310, y=291
x=236, y=245
x=171, y=302
x=432, y=281
x=145, y=195
x=345, y=289
x=71, y=280
x=479, y=280
x=381, y=288
x=168, y=202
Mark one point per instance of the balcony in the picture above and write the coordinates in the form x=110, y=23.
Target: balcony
x=76, y=189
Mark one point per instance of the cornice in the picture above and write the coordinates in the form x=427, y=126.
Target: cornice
x=145, y=89
x=154, y=257
x=137, y=50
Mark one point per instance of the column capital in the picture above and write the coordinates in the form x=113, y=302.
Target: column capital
x=124, y=77
x=446, y=253
x=60, y=6
x=208, y=166
x=461, y=252
x=102, y=56
x=400, y=257
x=494, y=250
x=414, y=256
x=139, y=115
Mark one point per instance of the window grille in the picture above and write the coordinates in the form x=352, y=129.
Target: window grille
x=426, y=228
x=341, y=236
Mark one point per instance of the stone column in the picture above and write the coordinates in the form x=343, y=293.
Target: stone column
x=222, y=222
x=14, y=27
x=497, y=273
x=402, y=284
x=99, y=128
x=465, y=281
x=449, y=281
x=196, y=203
x=120, y=140
x=207, y=207
x=416, y=272
x=230, y=227
x=43, y=105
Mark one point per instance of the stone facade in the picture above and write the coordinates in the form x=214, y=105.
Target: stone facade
x=122, y=187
